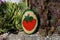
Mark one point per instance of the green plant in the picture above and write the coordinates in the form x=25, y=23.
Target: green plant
x=10, y=16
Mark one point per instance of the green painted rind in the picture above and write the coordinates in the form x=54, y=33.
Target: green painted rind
x=36, y=19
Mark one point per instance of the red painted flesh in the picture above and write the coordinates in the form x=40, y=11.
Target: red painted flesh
x=30, y=25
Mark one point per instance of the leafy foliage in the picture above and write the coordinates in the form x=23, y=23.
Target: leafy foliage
x=10, y=16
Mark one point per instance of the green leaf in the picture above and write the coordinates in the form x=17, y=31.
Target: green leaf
x=28, y=18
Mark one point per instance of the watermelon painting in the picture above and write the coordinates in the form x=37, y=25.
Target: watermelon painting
x=29, y=21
